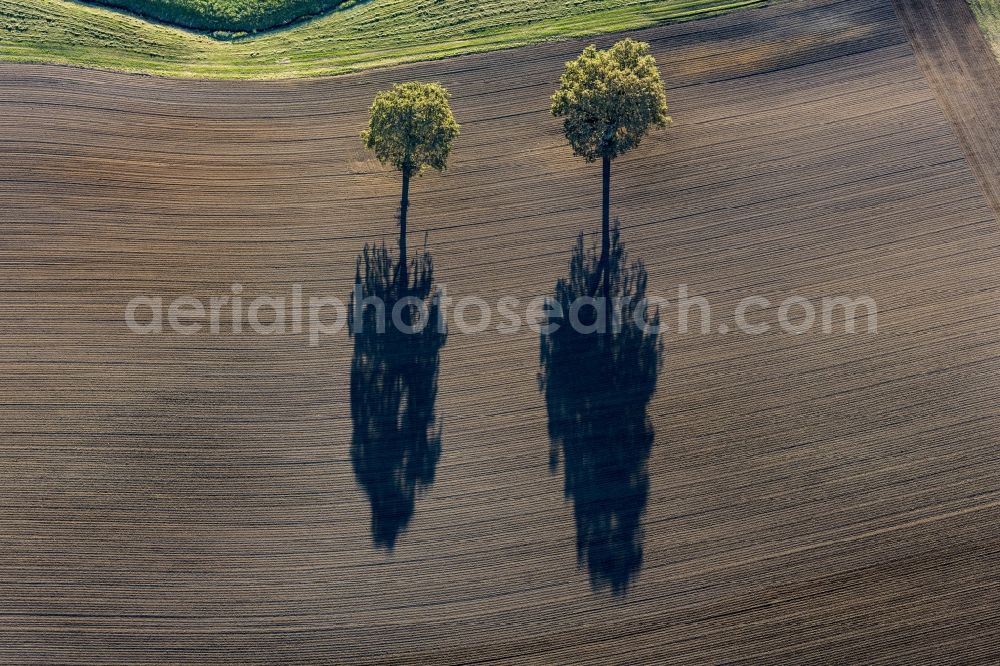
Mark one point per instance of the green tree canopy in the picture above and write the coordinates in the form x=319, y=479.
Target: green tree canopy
x=411, y=127
x=609, y=99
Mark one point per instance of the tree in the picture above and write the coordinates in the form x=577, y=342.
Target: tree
x=609, y=100
x=411, y=128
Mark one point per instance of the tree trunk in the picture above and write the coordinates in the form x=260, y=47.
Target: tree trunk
x=404, y=203
x=606, y=228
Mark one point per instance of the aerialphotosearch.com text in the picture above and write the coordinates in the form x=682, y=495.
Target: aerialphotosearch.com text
x=318, y=317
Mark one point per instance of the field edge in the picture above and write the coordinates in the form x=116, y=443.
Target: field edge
x=176, y=52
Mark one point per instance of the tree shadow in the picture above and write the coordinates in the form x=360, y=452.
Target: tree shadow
x=396, y=439
x=597, y=388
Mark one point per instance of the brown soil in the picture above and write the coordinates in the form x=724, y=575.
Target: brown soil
x=813, y=499
x=965, y=76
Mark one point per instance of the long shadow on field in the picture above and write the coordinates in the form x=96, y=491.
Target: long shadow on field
x=597, y=387
x=396, y=441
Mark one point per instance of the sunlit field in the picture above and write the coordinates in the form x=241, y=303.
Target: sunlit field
x=357, y=35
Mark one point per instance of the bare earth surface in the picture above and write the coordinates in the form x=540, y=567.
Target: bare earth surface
x=812, y=499
x=965, y=75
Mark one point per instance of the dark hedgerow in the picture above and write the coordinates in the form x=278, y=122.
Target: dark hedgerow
x=225, y=15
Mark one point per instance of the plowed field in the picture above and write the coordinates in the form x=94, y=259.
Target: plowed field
x=814, y=498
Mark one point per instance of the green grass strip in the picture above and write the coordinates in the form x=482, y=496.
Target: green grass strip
x=359, y=35
x=988, y=15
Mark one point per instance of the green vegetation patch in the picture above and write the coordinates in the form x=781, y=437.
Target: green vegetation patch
x=988, y=14
x=358, y=35
x=225, y=15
